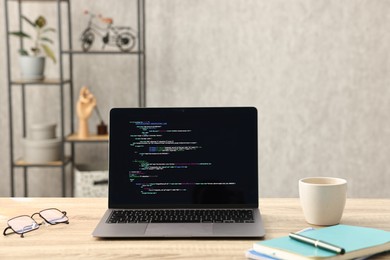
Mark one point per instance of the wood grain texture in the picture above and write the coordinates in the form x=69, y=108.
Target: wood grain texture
x=75, y=241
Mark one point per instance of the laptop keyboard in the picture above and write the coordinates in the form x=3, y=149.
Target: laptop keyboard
x=182, y=216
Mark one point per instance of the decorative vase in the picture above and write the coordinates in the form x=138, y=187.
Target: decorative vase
x=42, y=131
x=42, y=146
x=42, y=151
x=32, y=68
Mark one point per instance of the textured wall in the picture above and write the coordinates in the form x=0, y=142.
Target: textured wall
x=316, y=70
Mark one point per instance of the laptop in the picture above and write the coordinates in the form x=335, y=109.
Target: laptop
x=182, y=172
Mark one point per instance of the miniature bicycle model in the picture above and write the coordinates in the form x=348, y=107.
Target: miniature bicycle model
x=120, y=36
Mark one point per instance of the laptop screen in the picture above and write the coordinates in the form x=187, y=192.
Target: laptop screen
x=183, y=157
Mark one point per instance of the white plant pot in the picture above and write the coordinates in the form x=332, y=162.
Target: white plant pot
x=32, y=68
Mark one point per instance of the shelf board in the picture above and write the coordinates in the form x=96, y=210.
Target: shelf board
x=54, y=1
x=90, y=138
x=22, y=163
x=48, y=81
x=102, y=52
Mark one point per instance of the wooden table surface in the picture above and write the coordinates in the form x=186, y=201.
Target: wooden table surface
x=281, y=216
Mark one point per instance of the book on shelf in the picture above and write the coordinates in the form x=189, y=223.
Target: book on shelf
x=356, y=241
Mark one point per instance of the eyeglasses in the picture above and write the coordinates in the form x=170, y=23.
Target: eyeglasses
x=24, y=223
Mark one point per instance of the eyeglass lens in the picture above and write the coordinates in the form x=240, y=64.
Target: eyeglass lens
x=23, y=224
x=53, y=216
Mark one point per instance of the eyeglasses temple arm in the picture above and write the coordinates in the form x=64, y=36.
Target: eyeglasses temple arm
x=5, y=230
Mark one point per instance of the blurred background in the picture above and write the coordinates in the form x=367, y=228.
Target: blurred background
x=317, y=71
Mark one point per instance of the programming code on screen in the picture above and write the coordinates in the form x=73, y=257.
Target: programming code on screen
x=182, y=156
x=169, y=159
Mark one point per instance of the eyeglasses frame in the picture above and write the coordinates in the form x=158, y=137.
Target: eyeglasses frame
x=34, y=221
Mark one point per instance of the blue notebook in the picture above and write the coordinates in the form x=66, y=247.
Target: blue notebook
x=357, y=242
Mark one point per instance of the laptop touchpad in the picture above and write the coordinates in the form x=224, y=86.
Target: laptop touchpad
x=179, y=229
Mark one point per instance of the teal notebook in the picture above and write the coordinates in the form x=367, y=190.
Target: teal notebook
x=357, y=242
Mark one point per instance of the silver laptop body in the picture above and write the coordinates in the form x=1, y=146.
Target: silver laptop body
x=165, y=163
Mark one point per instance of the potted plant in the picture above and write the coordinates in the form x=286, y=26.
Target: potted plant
x=33, y=62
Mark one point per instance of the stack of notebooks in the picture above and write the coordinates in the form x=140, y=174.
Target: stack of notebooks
x=354, y=242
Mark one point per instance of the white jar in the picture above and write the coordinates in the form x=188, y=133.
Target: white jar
x=42, y=131
x=42, y=151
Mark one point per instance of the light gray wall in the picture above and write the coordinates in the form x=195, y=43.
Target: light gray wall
x=316, y=70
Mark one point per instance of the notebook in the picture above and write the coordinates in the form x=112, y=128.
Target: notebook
x=182, y=172
x=357, y=242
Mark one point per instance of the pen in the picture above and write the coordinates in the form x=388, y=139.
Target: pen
x=317, y=243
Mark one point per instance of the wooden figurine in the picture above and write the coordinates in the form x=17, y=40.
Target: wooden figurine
x=85, y=106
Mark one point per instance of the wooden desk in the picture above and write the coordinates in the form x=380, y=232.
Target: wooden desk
x=75, y=241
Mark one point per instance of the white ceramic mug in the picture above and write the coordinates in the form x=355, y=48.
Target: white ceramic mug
x=323, y=199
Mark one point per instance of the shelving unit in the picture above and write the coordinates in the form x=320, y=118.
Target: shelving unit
x=62, y=83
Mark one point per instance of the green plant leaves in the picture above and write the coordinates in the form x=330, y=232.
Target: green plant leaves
x=40, y=40
x=23, y=52
x=21, y=34
x=40, y=21
x=28, y=21
x=48, y=30
x=45, y=39
x=49, y=53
